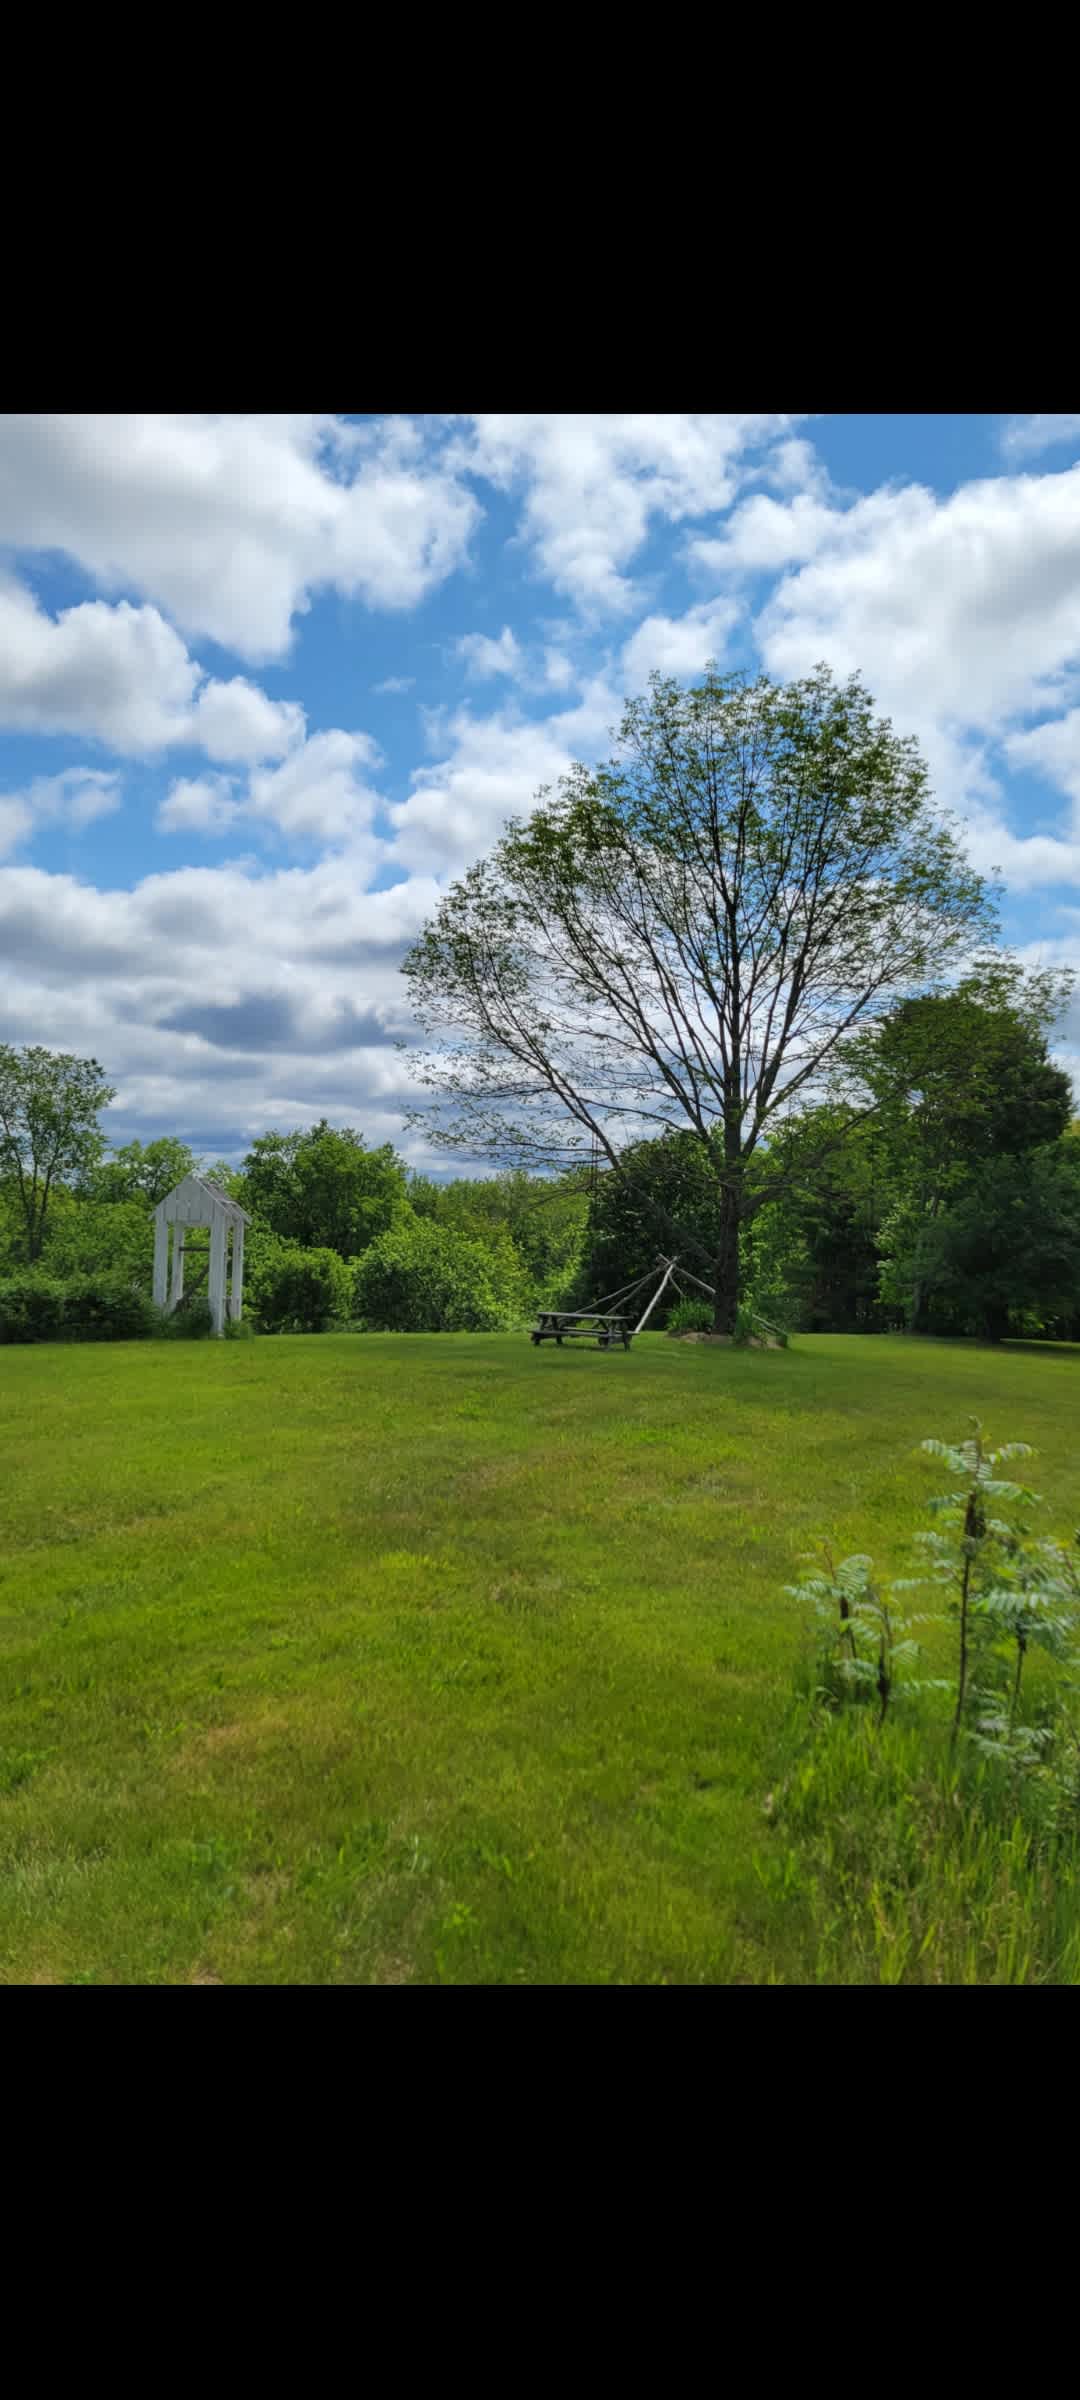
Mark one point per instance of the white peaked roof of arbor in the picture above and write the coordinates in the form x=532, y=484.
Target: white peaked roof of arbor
x=194, y=1202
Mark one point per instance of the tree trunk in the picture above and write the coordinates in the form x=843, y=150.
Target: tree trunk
x=995, y=1321
x=919, y=1314
x=727, y=1264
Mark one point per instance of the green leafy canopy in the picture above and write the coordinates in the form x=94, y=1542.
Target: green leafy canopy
x=49, y=1106
x=691, y=937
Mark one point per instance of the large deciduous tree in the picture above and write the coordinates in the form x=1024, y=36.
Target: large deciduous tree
x=542, y=1217
x=962, y=1078
x=49, y=1106
x=838, y=1178
x=1011, y=1242
x=142, y=1171
x=665, y=1193
x=691, y=937
x=324, y=1188
x=971, y=1069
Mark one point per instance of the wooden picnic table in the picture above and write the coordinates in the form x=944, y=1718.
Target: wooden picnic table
x=582, y=1325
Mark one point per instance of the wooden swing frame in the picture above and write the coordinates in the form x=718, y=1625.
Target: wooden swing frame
x=606, y=1326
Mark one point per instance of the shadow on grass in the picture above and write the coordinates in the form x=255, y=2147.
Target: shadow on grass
x=1012, y=1347
x=1036, y=1349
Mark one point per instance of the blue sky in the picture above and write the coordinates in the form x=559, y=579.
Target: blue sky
x=268, y=683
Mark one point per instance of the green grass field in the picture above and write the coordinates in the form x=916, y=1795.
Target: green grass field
x=387, y=1660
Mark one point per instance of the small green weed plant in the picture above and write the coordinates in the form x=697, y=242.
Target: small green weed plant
x=933, y=1795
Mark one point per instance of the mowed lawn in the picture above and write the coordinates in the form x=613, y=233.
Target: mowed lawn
x=409, y=1660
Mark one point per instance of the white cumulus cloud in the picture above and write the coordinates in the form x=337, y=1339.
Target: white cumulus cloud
x=16, y=821
x=966, y=609
x=963, y=614
x=77, y=797
x=202, y=804
x=235, y=720
x=762, y=535
x=1025, y=437
x=593, y=486
x=1051, y=750
x=492, y=768
x=678, y=646
x=222, y=999
x=320, y=793
x=229, y=522
x=485, y=657
x=122, y=676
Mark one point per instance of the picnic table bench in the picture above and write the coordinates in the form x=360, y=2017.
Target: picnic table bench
x=582, y=1325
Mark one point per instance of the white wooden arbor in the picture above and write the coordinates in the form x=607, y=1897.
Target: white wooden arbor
x=197, y=1203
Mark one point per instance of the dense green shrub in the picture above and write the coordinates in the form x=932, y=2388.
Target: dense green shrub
x=696, y=1316
x=421, y=1278
x=100, y=1308
x=31, y=1309
x=690, y=1316
x=191, y=1322
x=113, y=1242
x=536, y=1223
x=300, y=1291
x=87, y=1308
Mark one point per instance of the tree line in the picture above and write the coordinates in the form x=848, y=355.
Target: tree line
x=947, y=1202
x=738, y=994
x=340, y=1232
x=943, y=1197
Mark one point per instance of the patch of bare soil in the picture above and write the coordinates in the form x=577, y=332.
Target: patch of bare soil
x=757, y=1341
